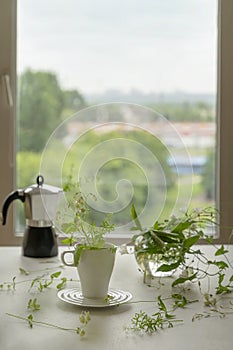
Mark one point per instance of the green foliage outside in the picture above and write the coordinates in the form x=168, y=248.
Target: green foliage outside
x=121, y=168
x=28, y=164
x=186, y=111
x=208, y=182
x=43, y=105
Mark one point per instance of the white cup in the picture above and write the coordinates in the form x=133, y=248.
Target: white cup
x=94, y=268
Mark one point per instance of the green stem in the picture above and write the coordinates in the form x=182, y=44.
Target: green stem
x=42, y=323
x=141, y=301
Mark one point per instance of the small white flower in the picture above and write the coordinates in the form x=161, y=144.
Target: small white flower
x=124, y=249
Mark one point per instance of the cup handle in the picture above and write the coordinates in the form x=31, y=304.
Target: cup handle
x=64, y=260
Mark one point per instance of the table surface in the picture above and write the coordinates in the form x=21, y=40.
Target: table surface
x=108, y=328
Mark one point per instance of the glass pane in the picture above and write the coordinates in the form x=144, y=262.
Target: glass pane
x=124, y=94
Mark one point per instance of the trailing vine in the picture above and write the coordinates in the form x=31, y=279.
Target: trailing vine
x=172, y=245
x=84, y=319
x=40, y=284
x=174, y=241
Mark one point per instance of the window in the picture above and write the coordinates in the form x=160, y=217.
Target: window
x=74, y=100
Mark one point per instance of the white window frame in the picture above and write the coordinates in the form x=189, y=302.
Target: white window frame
x=224, y=171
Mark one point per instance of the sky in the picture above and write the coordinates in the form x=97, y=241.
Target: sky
x=158, y=46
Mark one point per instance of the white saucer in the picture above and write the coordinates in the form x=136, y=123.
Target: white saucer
x=74, y=296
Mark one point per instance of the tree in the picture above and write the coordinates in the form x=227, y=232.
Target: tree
x=41, y=103
x=73, y=101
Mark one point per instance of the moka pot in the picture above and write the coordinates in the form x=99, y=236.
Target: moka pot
x=40, y=205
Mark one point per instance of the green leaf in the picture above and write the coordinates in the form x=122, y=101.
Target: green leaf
x=221, y=278
x=62, y=284
x=78, y=252
x=181, y=280
x=169, y=267
x=182, y=226
x=40, y=287
x=33, y=304
x=221, y=251
x=135, y=218
x=156, y=225
x=68, y=241
x=220, y=264
x=36, y=280
x=55, y=274
x=209, y=239
x=170, y=316
x=161, y=304
x=189, y=242
x=222, y=289
x=169, y=237
x=30, y=320
x=23, y=271
x=179, y=300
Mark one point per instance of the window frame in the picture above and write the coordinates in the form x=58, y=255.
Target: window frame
x=224, y=163
x=8, y=26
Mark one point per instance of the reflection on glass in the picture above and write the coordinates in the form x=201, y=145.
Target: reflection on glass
x=152, y=68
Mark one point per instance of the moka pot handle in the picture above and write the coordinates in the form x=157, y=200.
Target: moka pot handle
x=19, y=194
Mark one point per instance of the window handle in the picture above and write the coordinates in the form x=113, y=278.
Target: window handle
x=6, y=79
